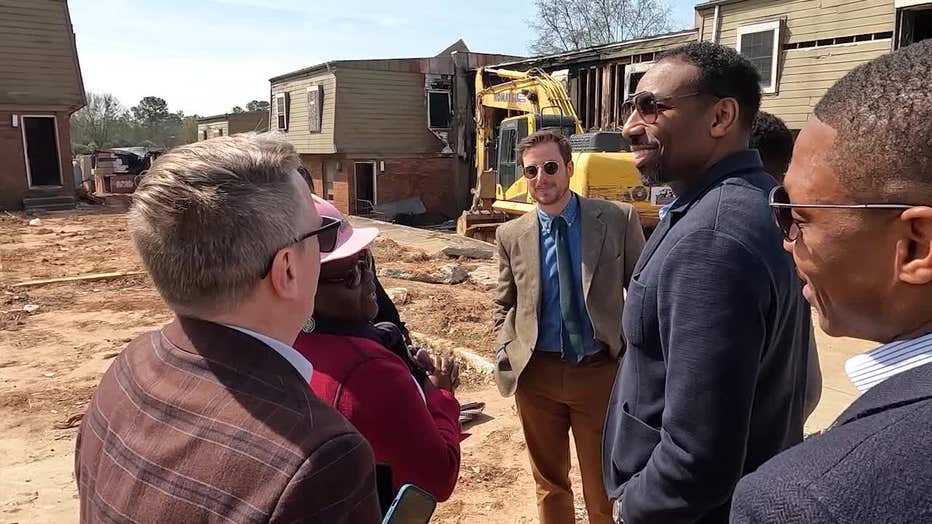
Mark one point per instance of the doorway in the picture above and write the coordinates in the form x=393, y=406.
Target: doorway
x=365, y=188
x=40, y=143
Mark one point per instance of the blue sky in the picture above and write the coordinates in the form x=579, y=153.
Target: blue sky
x=206, y=56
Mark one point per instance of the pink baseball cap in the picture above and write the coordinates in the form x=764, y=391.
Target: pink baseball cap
x=350, y=240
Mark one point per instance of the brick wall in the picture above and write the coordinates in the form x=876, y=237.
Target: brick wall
x=341, y=188
x=430, y=178
x=14, y=185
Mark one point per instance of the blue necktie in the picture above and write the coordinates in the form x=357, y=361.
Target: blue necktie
x=573, y=344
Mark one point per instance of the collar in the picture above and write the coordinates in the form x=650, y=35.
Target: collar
x=742, y=161
x=662, y=212
x=301, y=364
x=867, y=370
x=570, y=213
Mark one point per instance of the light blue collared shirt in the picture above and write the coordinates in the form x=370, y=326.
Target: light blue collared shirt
x=550, y=337
x=662, y=212
x=297, y=360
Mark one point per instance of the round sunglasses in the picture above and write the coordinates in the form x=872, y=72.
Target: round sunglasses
x=550, y=168
x=351, y=277
x=649, y=105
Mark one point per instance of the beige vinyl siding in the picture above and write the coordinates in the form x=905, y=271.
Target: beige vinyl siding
x=213, y=129
x=805, y=20
x=806, y=74
x=298, y=134
x=803, y=75
x=38, y=66
x=382, y=112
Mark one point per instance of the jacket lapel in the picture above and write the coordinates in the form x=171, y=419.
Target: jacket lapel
x=652, y=243
x=593, y=237
x=905, y=388
x=529, y=243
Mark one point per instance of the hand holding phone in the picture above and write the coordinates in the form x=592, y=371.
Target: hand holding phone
x=412, y=505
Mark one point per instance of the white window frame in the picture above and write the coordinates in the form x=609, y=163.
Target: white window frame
x=630, y=69
x=774, y=26
x=449, y=105
x=284, y=98
x=22, y=125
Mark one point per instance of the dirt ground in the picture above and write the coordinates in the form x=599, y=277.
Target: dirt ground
x=53, y=353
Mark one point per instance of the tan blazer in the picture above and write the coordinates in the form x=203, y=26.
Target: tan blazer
x=612, y=240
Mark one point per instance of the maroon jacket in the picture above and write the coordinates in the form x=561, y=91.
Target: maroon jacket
x=202, y=423
x=417, y=436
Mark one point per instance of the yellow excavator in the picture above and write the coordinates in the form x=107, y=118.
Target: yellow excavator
x=513, y=105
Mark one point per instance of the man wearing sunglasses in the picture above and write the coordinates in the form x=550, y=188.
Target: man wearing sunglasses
x=563, y=272
x=857, y=217
x=211, y=417
x=713, y=380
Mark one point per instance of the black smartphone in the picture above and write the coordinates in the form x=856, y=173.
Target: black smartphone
x=412, y=505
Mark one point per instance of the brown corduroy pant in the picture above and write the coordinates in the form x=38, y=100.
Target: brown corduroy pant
x=552, y=398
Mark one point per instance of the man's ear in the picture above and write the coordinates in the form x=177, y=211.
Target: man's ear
x=914, y=253
x=726, y=116
x=569, y=168
x=282, y=276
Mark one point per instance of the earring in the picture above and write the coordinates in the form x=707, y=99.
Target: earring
x=309, y=325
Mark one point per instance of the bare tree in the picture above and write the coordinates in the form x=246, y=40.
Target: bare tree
x=101, y=121
x=568, y=25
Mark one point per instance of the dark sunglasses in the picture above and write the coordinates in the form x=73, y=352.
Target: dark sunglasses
x=550, y=168
x=649, y=105
x=326, y=238
x=783, y=211
x=352, y=277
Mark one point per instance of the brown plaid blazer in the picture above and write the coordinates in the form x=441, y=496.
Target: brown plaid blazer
x=202, y=423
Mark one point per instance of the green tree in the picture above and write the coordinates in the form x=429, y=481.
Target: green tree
x=236, y=109
x=102, y=121
x=257, y=105
x=153, y=122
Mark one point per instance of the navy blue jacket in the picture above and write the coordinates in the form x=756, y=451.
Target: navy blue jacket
x=873, y=465
x=713, y=381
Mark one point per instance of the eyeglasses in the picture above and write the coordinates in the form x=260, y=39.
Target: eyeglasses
x=352, y=277
x=326, y=238
x=649, y=105
x=550, y=168
x=783, y=211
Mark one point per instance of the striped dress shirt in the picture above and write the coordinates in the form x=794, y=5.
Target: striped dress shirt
x=867, y=370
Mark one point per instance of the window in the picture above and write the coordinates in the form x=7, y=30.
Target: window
x=281, y=111
x=759, y=44
x=633, y=74
x=315, y=104
x=913, y=22
x=438, y=109
x=220, y=131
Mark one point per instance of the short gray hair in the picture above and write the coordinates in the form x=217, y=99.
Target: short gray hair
x=208, y=217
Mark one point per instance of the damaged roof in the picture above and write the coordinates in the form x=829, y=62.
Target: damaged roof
x=608, y=51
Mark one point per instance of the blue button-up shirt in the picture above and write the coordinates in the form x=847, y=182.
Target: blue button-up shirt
x=550, y=330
